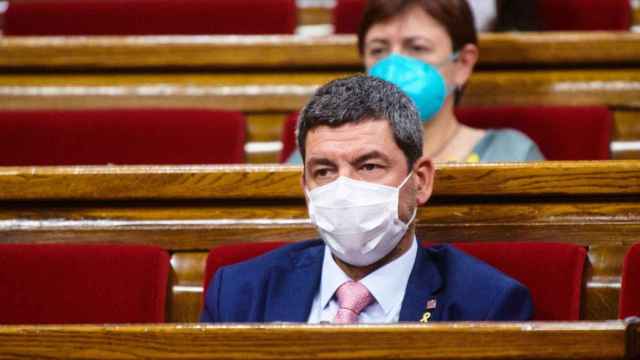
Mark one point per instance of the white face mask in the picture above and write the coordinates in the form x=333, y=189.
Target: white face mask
x=358, y=220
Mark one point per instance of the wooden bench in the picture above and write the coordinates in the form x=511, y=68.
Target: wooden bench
x=268, y=77
x=578, y=340
x=188, y=210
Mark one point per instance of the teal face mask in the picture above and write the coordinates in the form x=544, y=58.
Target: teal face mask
x=422, y=82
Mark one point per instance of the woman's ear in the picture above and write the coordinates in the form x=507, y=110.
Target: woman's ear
x=424, y=176
x=467, y=58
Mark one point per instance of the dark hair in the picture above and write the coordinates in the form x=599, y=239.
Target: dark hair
x=357, y=98
x=454, y=15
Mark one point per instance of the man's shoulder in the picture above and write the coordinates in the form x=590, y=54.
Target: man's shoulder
x=463, y=270
x=477, y=291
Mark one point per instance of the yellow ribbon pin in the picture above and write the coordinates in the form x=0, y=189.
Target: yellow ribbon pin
x=425, y=317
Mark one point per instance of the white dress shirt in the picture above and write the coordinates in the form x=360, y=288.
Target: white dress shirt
x=387, y=285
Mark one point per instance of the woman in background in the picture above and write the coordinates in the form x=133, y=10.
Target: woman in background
x=428, y=48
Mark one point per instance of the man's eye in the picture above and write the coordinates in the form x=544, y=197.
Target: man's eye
x=370, y=167
x=322, y=172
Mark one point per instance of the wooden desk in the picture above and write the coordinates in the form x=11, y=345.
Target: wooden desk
x=268, y=77
x=578, y=340
x=188, y=210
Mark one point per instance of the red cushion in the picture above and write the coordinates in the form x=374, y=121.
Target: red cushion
x=66, y=284
x=590, y=128
x=347, y=15
x=630, y=292
x=585, y=14
x=224, y=255
x=552, y=272
x=143, y=136
x=149, y=17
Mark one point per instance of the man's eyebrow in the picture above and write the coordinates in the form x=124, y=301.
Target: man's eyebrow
x=375, y=154
x=377, y=41
x=315, y=161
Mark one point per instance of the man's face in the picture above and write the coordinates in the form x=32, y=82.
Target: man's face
x=362, y=151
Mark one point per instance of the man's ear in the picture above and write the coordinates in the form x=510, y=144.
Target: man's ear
x=467, y=58
x=424, y=176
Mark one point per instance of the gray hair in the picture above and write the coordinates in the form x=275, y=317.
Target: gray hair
x=357, y=98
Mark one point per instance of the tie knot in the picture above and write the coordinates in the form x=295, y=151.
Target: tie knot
x=353, y=296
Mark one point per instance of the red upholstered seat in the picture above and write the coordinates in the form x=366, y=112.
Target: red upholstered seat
x=150, y=17
x=347, y=15
x=142, y=136
x=630, y=292
x=585, y=14
x=589, y=126
x=70, y=284
x=552, y=272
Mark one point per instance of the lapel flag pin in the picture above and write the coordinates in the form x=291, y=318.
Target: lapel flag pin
x=431, y=304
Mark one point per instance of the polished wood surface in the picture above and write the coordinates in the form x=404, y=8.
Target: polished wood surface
x=578, y=340
x=546, y=178
x=523, y=49
x=190, y=209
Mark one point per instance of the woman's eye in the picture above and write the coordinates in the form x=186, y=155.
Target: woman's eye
x=377, y=52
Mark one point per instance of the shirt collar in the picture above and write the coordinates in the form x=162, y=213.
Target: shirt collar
x=387, y=284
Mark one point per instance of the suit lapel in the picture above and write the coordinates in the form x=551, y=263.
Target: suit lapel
x=423, y=283
x=293, y=288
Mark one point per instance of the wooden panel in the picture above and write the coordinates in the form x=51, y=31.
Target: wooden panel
x=315, y=15
x=185, y=297
x=261, y=92
x=627, y=125
x=283, y=182
x=338, y=51
x=454, y=341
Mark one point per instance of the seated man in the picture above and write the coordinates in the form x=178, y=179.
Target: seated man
x=364, y=178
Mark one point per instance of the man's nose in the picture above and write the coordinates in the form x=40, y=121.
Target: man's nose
x=347, y=171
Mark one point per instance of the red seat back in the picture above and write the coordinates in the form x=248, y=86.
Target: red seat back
x=347, y=15
x=552, y=272
x=98, y=137
x=150, y=17
x=590, y=128
x=575, y=15
x=71, y=284
x=630, y=292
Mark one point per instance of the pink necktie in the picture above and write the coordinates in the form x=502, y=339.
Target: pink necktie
x=353, y=297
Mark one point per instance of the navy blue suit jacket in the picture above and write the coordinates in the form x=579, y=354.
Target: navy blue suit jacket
x=281, y=286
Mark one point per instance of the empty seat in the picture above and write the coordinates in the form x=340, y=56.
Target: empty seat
x=590, y=126
x=70, y=284
x=150, y=17
x=630, y=292
x=587, y=15
x=552, y=272
x=133, y=136
x=347, y=15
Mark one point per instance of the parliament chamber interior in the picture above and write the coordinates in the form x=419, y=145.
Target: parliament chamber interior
x=145, y=144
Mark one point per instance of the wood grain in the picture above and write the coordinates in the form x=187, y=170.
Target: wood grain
x=547, y=178
x=580, y=340
x=264, y=92
x=338, y=51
